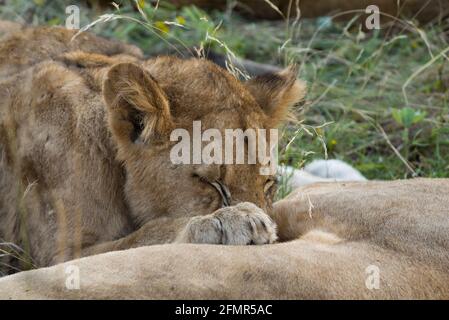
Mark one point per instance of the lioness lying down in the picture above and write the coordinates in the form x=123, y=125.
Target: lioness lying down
x=361, y=240
x=85, y=147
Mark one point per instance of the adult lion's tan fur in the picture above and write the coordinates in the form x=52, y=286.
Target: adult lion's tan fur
x=85, y=129
x=399, y=229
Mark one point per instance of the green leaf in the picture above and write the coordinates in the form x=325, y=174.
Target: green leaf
x=419, y=116
x=39, y=3
x=54, y=22
x=397, y=116
x=407, y=116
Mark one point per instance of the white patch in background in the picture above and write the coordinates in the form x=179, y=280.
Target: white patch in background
x=334, y=169
x=320, y=171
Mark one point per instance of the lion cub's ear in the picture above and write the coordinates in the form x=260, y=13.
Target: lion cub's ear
x=277, y=92
x=137, y=106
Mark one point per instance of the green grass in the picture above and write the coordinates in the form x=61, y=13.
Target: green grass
x=357, y=107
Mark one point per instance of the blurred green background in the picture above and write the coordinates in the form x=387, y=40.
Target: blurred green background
x=378, y=100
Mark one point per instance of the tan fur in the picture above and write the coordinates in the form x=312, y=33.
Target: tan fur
x=400, y=227
x=85, y=144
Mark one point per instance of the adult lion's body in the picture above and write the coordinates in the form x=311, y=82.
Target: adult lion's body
x=365, y=240
x=85, y=146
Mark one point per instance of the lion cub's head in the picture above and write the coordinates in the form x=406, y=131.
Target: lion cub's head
x=147, y=102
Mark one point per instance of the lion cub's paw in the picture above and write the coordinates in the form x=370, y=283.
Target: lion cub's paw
x=242, y=224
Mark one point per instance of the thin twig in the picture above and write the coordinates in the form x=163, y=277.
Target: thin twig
x=407, y=164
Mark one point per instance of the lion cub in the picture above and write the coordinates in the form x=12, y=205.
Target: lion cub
x=85, y=145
